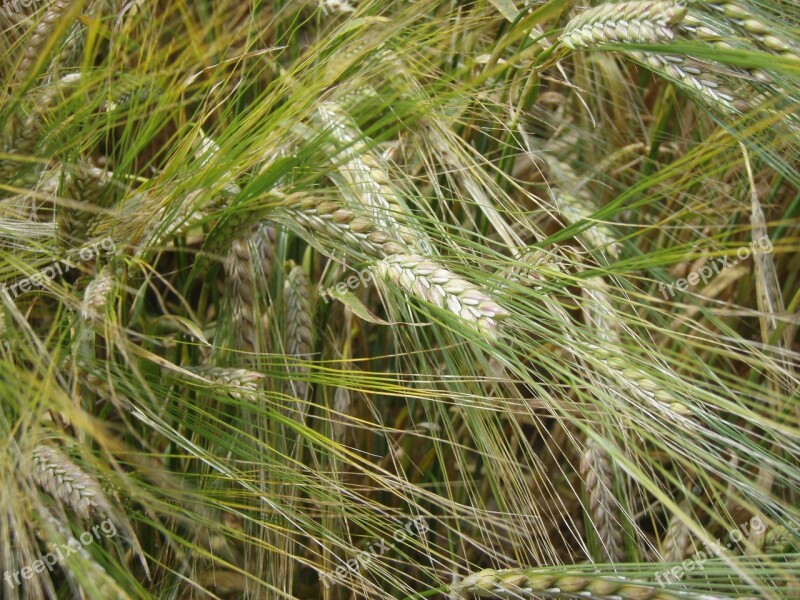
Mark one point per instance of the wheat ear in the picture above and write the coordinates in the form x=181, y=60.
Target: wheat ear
x=692, y=74
x=334, y=223
x=240, y=277
x=533, y=268
x=96, y=295
x=638, y=21
x=298, y=326
x=643, y=389
x=771, y=306
x=65, y=481
x=240, y=383
x=578, y=208
x=427, y=280
x=38, y=39
x=169, y=224
x=599, y=311
x=364, y=175
x=533, y=583
x=778, y=540
x=775, y=335
x=575, y=204
x=90, y=569
x=648, y=22
x=595, y=469
x=676, y=539
x=751, y=24
x=84, y=183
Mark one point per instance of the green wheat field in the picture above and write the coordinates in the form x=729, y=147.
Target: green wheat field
x=371, y=299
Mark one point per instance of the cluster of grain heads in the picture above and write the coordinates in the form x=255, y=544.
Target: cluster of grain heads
x=649, y=22
x=65, y=481
x=638, y=21
x=747, y=88
x=537, y=583
x=595, y=469
x=327, y=225
x=425, y=279
x=299, y=326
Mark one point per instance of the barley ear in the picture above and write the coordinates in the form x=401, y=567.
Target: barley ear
x=638, y=21
x=96, y=295
x=38, y=39
x=83, y=566
x=425, y=279
x=595, y=469
x=66, y=482
x=364, y=177
x=544, y=582
x=240, y=383
x=694, y=75
x=676, y=540
x=325, y=224
x=298, y=327
x=248, y=270
x=240, y=279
